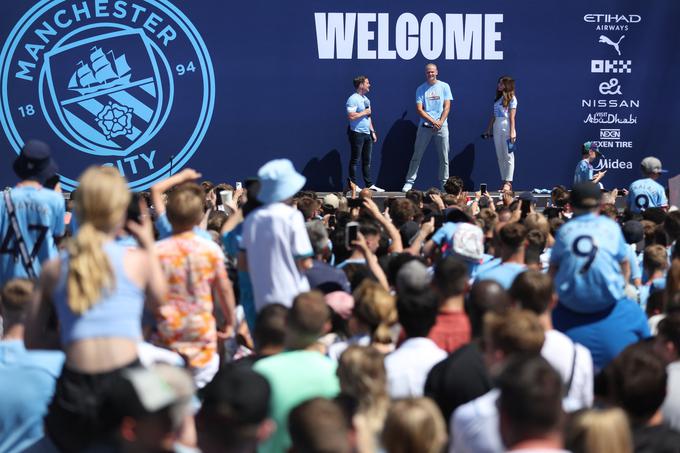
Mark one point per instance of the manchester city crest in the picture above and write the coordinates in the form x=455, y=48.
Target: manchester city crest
x=116, y=83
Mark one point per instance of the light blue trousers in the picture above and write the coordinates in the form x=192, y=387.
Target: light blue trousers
x=441, y=142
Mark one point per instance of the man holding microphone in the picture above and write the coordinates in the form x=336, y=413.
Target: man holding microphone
x=361, y=133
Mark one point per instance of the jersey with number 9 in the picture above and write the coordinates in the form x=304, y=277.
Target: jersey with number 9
x=588, y=252
x=644, y=194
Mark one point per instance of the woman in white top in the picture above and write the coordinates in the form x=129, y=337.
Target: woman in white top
x=503, y=125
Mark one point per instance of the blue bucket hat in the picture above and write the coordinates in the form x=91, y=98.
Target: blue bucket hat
x=278, y=181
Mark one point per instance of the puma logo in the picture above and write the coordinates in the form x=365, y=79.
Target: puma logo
x=609, y=42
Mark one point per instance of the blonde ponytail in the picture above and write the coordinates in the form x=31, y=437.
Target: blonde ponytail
x=101, y=202
x=89, y=269
x=376, y=308
x=383, y=333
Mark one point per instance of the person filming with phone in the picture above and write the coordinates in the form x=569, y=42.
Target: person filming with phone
x=584, y=170
x=503, y=126
x=363, y=238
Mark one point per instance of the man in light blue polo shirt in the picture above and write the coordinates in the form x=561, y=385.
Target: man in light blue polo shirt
x=589, y=260
x=433, y=103
x=361, y=133
x=646, y=193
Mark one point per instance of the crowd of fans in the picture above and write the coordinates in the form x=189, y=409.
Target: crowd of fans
x=202, y=317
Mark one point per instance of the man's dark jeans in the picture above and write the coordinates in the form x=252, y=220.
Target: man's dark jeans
x=361, y=145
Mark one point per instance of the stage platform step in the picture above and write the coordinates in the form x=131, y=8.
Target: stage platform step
x=541, y=199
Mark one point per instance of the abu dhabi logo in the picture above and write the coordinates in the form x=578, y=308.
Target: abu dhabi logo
x=605, y=40
x=610, y=118
x=129, y=85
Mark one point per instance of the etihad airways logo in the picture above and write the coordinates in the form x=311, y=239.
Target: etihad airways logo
x=612, y=22
x=612, y=18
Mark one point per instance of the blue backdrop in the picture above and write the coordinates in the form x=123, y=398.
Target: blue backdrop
x=151, y=86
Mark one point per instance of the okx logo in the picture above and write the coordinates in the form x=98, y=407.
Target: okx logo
x=108, y=83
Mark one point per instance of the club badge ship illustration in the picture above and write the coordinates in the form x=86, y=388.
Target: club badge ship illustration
x=104, y=71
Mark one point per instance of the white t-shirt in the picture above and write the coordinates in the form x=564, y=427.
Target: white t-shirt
x=408, y=366
x=559, y=350
x=274, y=237
x=500, y=111
x=474, y=426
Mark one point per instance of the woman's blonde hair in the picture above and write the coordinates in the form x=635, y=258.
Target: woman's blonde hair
x=377, y=308
x=101, y=201
x=361, y=371
x=414, y=425
x=597, y=430
x=536, y=221
x=362, y=376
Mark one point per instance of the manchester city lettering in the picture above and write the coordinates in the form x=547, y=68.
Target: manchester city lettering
x=100, y=78
x=70, y=17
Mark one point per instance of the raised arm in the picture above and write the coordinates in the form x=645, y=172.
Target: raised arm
x=156, y=285
x=396, y=245
x=226, y=300
x=158, y=189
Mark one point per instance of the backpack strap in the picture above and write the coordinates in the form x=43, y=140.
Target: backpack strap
x=26, y=257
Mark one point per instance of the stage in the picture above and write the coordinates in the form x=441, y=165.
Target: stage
x=542, y=200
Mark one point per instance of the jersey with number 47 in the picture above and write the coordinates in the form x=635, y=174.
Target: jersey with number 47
x=588, y=252
x=40, y=215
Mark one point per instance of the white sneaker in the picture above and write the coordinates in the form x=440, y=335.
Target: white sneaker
x=407, y=187
x=376, y=188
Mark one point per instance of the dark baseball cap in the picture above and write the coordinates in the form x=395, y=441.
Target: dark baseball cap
x=35, y=162
x=527, y=196
x=633, y=231
x=238, y=395
x=585, y=195
x=408, y=232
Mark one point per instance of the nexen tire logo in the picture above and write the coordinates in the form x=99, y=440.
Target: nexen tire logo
x=610, y=134
x=116, y=83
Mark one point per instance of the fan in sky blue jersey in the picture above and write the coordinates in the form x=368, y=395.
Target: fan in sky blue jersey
x=39, y=214
x=646, y=193
x=589, y=259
